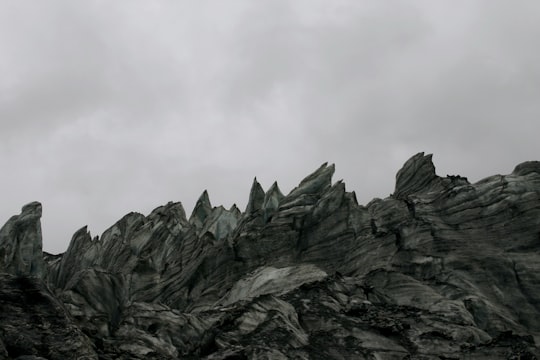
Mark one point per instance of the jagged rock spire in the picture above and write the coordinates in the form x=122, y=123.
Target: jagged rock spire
x=235, y=211
x=21, y=242
x=256, y=197
x=418, y=173
x=314, y=183
x=73, y=261
x=203, y=208
x=272, y=198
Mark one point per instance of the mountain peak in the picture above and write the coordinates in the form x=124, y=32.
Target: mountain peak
x=203, y=208
x=256, y=197
x=314, y=183
x=21, y=242
x=417, y=174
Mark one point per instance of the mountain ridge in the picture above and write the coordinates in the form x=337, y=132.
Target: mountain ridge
x=441, y=268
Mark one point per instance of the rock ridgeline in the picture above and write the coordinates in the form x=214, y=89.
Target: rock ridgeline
x=441, y=269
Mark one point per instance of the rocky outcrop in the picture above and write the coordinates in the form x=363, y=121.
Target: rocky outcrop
x=526, y=168
x=418, y=174
x=21, y=243
x=440, y=269
x=272, y=198
x=202, y=210
x=256, y=197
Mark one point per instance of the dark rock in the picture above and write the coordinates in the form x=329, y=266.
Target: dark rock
x=34, y=324
x=442, y=269
x=418, y=174
x=256, y=198
x=310, y=187
x=526, y=168
x=202, y=210
x=235, y=211
x=272, y=199
x=21, y=243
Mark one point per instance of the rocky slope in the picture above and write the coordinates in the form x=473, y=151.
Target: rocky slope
x=441, y=269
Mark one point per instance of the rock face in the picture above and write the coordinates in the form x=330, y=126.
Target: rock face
x=20, y=242
x=34, y=323
x=441, y=269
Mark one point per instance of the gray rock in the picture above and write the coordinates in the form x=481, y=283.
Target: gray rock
x=310, y=187
x=21, y=243
x=235, y=211
x=272, y=199
x=202, y=210
x=526, y=168
x=34, y=324
x=256, y=198
x=418, y=174
x=441, y=269
x=221, y=222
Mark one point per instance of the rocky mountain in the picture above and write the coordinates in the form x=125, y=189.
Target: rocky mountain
x=440, y=269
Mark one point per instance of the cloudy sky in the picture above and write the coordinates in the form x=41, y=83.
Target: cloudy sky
x=108, y=107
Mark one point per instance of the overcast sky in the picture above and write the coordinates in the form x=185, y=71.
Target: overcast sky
x=108, y=107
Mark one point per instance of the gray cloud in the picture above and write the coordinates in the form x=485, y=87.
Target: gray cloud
x=111, y=107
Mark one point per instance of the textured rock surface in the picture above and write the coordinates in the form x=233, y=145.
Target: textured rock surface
x=34, y=322
x=20, y=242
x=441, y=269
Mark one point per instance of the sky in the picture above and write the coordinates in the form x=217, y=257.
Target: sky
x=108, y=107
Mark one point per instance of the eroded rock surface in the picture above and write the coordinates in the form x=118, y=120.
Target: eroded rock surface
x=35, y=323
x=441, y=269
x=21, y=243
